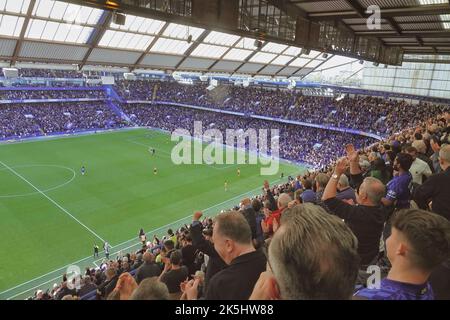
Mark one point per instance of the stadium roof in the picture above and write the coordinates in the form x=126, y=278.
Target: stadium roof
x=60, y=32
x=418, y=26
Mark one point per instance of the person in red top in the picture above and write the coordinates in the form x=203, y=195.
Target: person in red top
x=272, y=220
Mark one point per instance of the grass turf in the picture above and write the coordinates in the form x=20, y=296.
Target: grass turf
x=45, y=201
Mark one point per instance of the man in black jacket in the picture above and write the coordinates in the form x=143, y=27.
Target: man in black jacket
x=108, y=286
x=87, y=286
x=249, y=214
x=148, y=269
x=436, y=188
x=367, y=218
x=215, y=262
x=232, y=239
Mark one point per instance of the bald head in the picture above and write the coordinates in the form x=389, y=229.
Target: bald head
x=374, y=190
x=283, y=200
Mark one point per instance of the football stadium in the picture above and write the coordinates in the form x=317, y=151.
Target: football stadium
x=225, y=150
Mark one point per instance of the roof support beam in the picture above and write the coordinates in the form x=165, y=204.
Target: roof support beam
x=53, y=61
x=147, y=50
x=288, y=8
x=266, y=64
x=255, y=51
x=306, y=1
x=99, y=32
x=355, y=5
x=414, y=44
x=192, y=48
x=435, y=9
x=426, y=61
x=306, y=65
x=394, y=25
x=361, y=11
x=22, y=33
x=427, y=20
x=313, y=69
x=286, y=65
x=406, y=33
x=225, y=53
x=419, y=40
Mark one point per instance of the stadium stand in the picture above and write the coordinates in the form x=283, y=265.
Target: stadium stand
x=376, y=159
x=376, y=141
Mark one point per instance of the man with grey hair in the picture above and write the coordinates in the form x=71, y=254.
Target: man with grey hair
x=366, y=219
x=151, y=289
x=313, y=255
x=232, y=239
x=148, y=269
x=346, y=192
x=283, y=201
x=267, y=225
x=419, y=168
x=437, y=188
x=421, y=148
x=321, y=182
x=435, y=144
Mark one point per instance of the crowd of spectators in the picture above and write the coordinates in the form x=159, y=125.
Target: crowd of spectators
x=64, y=74
x=369, y=114
x=137, y=89
x=49, y=73
x=25, y=120
x=368, y=203
x=302, y=144
x=310, y=238
x=51, y=94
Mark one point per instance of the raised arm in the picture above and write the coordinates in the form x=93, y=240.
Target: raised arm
x=331, y=188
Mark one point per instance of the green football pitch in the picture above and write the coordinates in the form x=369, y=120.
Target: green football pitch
x=51, y=215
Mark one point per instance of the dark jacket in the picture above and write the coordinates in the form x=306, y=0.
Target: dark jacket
x=107, y=287
x=236, y=282
x=215, y=263
x=173, y=279
x=147, y=270
x=250, y=215
x=440, y=281
x=437, y=189
x=366, y=223
x=64, y=292
x=188, y=255
x=111, y=286
x=271, y=198
x=86, y=289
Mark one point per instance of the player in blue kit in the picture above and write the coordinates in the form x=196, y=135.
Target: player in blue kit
x=83, y=170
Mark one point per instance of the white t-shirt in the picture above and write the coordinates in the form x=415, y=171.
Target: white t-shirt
x=418, y=169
